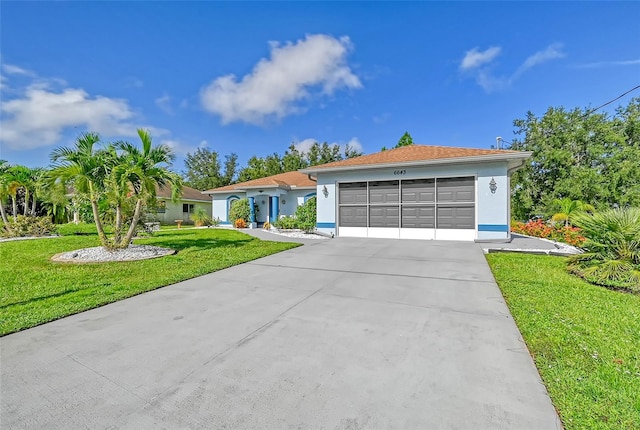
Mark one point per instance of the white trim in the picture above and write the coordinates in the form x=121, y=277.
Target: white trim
x=418, y=233
x=353, y=232
x=455, y=234
x=384, y=232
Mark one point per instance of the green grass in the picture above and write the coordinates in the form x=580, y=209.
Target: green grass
x=584, y=339
x=35, y=290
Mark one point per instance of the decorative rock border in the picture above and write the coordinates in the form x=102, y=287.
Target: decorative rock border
x=101, y=255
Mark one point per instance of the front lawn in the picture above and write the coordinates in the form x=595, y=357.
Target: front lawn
x=584, y=339
x=35, y=290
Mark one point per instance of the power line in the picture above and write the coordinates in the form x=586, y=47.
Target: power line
x=589, y=112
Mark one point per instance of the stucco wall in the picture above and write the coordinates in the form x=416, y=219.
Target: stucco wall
x=288, y=202
x=173, y=211
x=492, y=209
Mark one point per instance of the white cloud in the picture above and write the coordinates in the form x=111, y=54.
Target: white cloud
x=609, y=64
x=551, y=52
x=164, y=103
x=305, y=145
x=475, y=58
x=39, y=116
x=12, y=69
x=478, y=63
x=292, y=73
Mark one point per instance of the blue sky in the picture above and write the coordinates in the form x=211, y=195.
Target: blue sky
x=252, y=78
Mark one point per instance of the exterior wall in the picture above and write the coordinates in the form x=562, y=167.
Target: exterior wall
x=173, y=210
x=220, y=205
x=492, y=209
x=288, y=202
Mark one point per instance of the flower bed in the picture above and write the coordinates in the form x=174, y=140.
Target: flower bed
x=539, y=228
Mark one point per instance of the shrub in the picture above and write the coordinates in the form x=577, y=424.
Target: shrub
x=286, y=223
x=306, y=215
x=240, y=223
x=215, y=221
x=267, y=226
x=200, y=218
x=612, y=249
x=239, y=210
x=25, y=226
x=539, y=228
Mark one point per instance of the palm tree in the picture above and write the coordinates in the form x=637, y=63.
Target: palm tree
x=142, y=171
x=84, y=168
x=4, y=188
x=18, y=177
x=567, y=209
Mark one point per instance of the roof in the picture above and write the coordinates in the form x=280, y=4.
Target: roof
x=419, y=154
x=188, y=193
x=286, y=180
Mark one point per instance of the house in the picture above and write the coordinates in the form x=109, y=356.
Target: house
x=190, y=200
x=271, y=197
x=418, y=192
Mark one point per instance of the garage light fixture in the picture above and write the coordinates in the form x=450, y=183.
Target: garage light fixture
x=493, y=186
x=325, y=192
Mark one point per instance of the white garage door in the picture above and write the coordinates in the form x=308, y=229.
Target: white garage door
x=430, y=208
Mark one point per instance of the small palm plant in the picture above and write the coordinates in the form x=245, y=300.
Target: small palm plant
x=200, y=218
x=612, y=249
x=567, y=209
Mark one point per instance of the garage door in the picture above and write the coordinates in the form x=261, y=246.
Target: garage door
x=430, y=208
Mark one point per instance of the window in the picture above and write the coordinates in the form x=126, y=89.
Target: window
x=161, y=207
x=187, y=208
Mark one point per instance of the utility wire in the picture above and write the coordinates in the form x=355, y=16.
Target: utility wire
x=589, y=112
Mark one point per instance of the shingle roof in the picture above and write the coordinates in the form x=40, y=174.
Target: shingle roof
x=188, y=193
x=415, y=153
x=283, y=180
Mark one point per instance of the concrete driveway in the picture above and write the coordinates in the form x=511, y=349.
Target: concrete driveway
x=343, y=333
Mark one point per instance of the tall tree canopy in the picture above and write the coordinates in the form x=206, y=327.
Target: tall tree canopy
x=579, y=155
x=294, y=159
x=204, y=169
x=405, y=140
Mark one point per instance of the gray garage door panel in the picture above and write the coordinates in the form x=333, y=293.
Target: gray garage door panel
x=418, y=217
x=456, y=190
x=456, y=217
x=381, y=192
x=352, y=193
x=384, y=216
x=352, y=216
x=419, y=191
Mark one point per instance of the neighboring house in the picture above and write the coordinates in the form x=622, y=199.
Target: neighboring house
x=272, y=196
x=190, y=200
x=418, y=192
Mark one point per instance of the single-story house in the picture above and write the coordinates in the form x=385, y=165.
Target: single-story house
x=418, y=192
x=189, y=201
x=271, y=197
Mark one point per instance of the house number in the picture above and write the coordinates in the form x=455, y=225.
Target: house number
x=399, y=172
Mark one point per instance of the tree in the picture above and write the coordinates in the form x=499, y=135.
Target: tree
x=230, y=169
x=203, y=170
x=579, y=155
x=84, y=168
x=256, y=168
x=351, y=152
x=567, y=209
x=405, y=140
x=144, y=171
x=4, y=188
x=293, y=159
